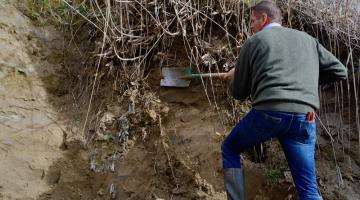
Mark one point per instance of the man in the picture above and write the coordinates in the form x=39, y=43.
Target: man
x=280, y=69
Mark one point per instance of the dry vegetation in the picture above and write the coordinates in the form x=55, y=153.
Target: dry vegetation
x=133, y=37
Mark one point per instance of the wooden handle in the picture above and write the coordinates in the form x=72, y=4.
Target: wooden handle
x=205, y=75
x=215, y=75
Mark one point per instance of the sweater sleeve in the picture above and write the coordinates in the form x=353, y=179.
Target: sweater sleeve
x=330, y=68
x=240, y=86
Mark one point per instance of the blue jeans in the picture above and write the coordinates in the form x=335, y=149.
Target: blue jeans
x=297, y=136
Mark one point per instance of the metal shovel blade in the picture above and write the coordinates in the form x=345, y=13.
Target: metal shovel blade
x=171, y=77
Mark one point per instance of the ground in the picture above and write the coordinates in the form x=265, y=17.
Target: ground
x=171, y=149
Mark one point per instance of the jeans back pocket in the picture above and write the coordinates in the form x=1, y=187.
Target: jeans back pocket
x=306, y=133
x=264, y=123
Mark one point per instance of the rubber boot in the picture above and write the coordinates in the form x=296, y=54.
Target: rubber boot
x=234, y=183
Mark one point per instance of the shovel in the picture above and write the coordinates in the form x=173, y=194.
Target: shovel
x=181, y=77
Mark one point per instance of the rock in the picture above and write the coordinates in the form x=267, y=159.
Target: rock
x=53, y=176
x=101, y=192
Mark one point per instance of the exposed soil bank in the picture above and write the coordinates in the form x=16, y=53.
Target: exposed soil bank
x=174, y=154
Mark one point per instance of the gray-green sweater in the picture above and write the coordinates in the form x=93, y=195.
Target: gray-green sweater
x=281, y=68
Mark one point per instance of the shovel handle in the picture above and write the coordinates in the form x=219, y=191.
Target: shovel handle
x=205, y=75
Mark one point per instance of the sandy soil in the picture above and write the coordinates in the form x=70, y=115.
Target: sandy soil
x=41, y=155
x=31, y=130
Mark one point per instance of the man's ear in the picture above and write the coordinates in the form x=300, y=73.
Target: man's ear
x=264, y=18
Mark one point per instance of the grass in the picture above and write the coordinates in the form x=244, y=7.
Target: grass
x=274, y=175
x=55, y=12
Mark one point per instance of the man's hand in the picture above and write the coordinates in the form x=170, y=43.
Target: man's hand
x=229, y=75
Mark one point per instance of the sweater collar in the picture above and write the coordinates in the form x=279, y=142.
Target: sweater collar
x=272, y=24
